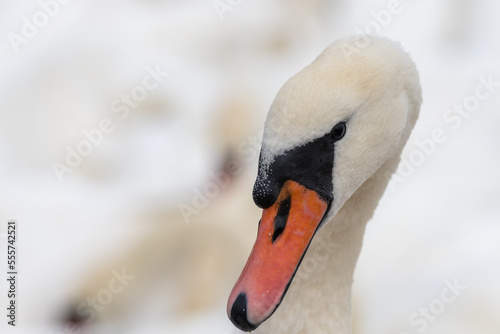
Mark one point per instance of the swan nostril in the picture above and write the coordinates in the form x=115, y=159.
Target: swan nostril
x=239, y=314
x=281, y=217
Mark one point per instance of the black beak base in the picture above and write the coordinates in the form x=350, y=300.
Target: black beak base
x=310, y=165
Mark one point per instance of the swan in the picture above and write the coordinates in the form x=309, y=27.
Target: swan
x=332, y=138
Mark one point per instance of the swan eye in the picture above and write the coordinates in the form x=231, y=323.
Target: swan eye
x=339, y=131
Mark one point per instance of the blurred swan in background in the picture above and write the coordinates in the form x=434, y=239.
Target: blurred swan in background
x=192, y=258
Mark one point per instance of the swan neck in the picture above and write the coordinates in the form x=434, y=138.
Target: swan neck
x=319, y=298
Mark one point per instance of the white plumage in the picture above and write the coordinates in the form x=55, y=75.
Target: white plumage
x=376, y=91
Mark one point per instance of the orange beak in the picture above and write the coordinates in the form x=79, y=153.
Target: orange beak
x=285, y=232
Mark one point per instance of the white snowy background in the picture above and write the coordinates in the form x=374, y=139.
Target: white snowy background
x=441, y=223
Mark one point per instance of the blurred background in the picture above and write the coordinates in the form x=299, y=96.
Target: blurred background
x=165, y=99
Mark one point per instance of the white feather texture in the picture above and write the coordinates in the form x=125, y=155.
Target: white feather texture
x=377, y=92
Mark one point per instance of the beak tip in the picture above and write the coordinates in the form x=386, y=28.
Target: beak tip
x=238, y=314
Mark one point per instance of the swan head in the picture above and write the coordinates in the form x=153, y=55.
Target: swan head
x=329, y=129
